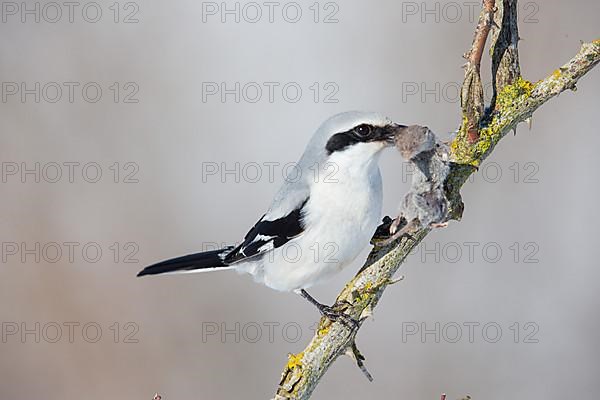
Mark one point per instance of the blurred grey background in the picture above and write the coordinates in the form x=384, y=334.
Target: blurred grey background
x=516, y=278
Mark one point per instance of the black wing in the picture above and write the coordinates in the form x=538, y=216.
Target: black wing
x=267, y=235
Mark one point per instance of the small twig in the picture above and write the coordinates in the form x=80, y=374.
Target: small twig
x=486, y=19
x=355, y=354
x=472, y=99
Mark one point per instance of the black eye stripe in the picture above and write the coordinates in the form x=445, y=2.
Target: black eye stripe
x=342, y=140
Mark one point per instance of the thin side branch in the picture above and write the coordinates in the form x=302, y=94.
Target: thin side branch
x=484, y=25
x=515, y=103
x=472, y=100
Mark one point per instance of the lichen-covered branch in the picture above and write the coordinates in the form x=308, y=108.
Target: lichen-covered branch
x=515, y=102
x=504, y=47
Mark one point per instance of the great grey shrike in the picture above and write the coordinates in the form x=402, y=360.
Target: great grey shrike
x=317, y=224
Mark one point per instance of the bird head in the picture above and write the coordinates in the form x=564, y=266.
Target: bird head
x=354, y=136
x=360, y=132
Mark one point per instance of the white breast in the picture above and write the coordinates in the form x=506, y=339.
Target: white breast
x=341, y=216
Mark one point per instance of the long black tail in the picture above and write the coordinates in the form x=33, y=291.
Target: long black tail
x=199, y=261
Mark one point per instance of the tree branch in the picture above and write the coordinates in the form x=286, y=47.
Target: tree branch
x=515, y=101
x=504, y=48
x=471, y=97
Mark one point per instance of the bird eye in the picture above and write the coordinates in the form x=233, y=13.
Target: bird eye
x=363, y=130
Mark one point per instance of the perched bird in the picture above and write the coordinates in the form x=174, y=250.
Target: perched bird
x=317, y=224
x=425, y=205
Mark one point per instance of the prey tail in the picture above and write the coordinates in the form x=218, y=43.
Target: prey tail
x=206, y=261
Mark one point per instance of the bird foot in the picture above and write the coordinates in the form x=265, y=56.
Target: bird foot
x=333, y=313
x=396, y=234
